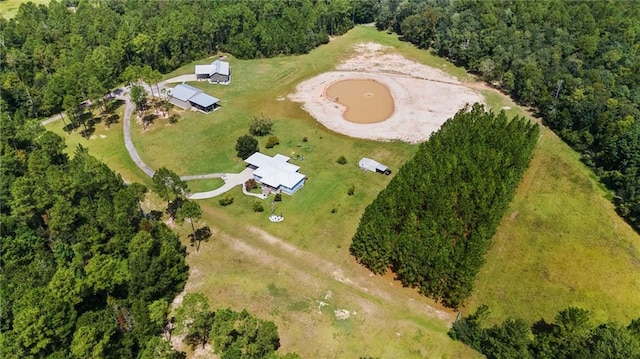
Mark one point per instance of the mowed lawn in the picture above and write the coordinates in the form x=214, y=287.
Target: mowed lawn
x=560, y=243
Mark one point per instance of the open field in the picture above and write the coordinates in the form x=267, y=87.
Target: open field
x=9, y=8
x=560, y=243
x=106, y=144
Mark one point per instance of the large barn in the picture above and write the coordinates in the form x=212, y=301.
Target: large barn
x=276, y=173
x=218, y=72
x=186, y=97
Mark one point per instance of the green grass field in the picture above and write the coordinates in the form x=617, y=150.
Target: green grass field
x=560, y=244
x=9, y=8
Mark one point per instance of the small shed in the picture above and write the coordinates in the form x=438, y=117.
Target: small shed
x=368, y=164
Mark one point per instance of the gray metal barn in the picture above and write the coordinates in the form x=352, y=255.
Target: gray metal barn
x=218, y=72
x=186, y=97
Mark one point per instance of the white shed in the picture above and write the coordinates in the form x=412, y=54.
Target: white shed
x=368, y=164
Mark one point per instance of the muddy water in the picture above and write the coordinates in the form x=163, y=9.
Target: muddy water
x=367, y=101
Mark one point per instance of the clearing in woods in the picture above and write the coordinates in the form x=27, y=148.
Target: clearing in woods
x=299, y=273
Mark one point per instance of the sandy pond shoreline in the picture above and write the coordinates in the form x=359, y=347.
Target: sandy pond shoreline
x=424, y=97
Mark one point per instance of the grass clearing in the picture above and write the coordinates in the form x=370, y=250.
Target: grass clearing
x=560, y=244
x=204, y=185
x=105, y=143
x=9, y=8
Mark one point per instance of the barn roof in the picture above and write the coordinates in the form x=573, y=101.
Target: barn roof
x=216, y=67
x=203, y=99
x=184, y=92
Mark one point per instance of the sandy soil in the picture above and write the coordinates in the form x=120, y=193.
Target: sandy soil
x=424, y=97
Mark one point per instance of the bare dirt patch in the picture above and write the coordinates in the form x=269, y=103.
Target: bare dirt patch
x=424, y=97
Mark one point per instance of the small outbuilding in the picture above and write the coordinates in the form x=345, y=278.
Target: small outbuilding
x=186, y=97
x=218, y=72
x=368, y=164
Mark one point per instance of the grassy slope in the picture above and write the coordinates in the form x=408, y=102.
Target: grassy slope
x=560, y=244
x=576, y=250
x=239, y=269
x=106, y=144
x=9, y=8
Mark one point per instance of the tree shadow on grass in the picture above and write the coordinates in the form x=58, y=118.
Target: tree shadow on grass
x=112, y=105
x=148, y=120
x=111, y=119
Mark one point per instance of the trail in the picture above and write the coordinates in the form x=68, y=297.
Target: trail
x=308, y=268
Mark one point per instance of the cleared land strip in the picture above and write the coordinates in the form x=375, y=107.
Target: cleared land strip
x=307, y=264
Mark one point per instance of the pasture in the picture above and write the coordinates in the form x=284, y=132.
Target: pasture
x=560, y=244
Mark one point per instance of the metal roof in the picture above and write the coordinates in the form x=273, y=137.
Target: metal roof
x=372, y=165
x=184, y=92
x=216, y=67
x=203, y=99
x=275, y=171
x=222, y=67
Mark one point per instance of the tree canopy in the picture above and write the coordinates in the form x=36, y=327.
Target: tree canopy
x=232, y=334
x=77, y=271
x=577, y=63
x=434, y=222
x=572, y=335
x=55, y=56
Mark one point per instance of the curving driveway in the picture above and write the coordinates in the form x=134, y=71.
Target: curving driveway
x=231, y=179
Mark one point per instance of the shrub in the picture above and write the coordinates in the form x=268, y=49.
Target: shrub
x=174, y=118
x=250, y=184
x=246, y=146
x=278, y=197
x=305, y=139
x=334, y=210
x=272, y=141
x=226, y=200
x=351, y=190
x=257, y=207
x=342, y=160
x=260, y=126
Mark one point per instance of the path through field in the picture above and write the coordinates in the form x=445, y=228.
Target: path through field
x=335, y=291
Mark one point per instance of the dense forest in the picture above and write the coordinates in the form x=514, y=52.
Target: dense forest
x=573, y=335
x=85, y=272
x=576, y=62
x=54, y=58
x=434, y=222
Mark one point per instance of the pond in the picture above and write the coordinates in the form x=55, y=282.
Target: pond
x=367, y=101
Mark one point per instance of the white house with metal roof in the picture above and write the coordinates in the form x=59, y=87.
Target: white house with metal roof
x=186, y=97
x=276, y=173
x=218, y=72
